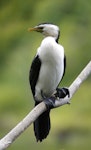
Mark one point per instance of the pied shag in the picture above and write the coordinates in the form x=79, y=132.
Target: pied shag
x=46, y=72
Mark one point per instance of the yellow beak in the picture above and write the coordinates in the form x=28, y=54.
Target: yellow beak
x=35, y=29
x=31, y=29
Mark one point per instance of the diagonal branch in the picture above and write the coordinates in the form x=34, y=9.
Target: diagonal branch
x=39, y=109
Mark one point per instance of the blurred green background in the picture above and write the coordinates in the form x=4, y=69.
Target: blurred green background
x=71, y=125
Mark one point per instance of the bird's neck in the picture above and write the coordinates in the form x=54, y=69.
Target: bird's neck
x=55, y=38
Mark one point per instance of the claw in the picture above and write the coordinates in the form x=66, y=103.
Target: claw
x=63, y=92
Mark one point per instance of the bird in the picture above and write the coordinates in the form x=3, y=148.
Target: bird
x=46, y=72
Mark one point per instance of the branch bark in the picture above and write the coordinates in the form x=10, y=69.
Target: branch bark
x=39, y=109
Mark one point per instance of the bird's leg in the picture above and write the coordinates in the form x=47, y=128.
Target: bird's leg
x=49, y=101
x=62, y=93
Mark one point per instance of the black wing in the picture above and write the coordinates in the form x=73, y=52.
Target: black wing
x=64, y=65
x=34, y=73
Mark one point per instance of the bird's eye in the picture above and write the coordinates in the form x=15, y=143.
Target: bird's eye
x=41, y=28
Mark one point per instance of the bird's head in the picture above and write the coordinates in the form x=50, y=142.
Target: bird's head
x=47, y=29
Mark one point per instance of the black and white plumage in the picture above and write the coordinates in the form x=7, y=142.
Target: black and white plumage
x=46, y=72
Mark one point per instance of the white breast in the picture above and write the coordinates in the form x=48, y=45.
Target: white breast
x=52, y=67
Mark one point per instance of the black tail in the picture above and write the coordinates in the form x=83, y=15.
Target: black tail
x=42, y=125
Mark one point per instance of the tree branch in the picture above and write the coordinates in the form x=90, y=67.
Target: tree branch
x=39, y=109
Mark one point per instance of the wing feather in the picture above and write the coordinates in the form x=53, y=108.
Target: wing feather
x=34, y=73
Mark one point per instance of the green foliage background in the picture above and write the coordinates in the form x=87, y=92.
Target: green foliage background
x=71, y=125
